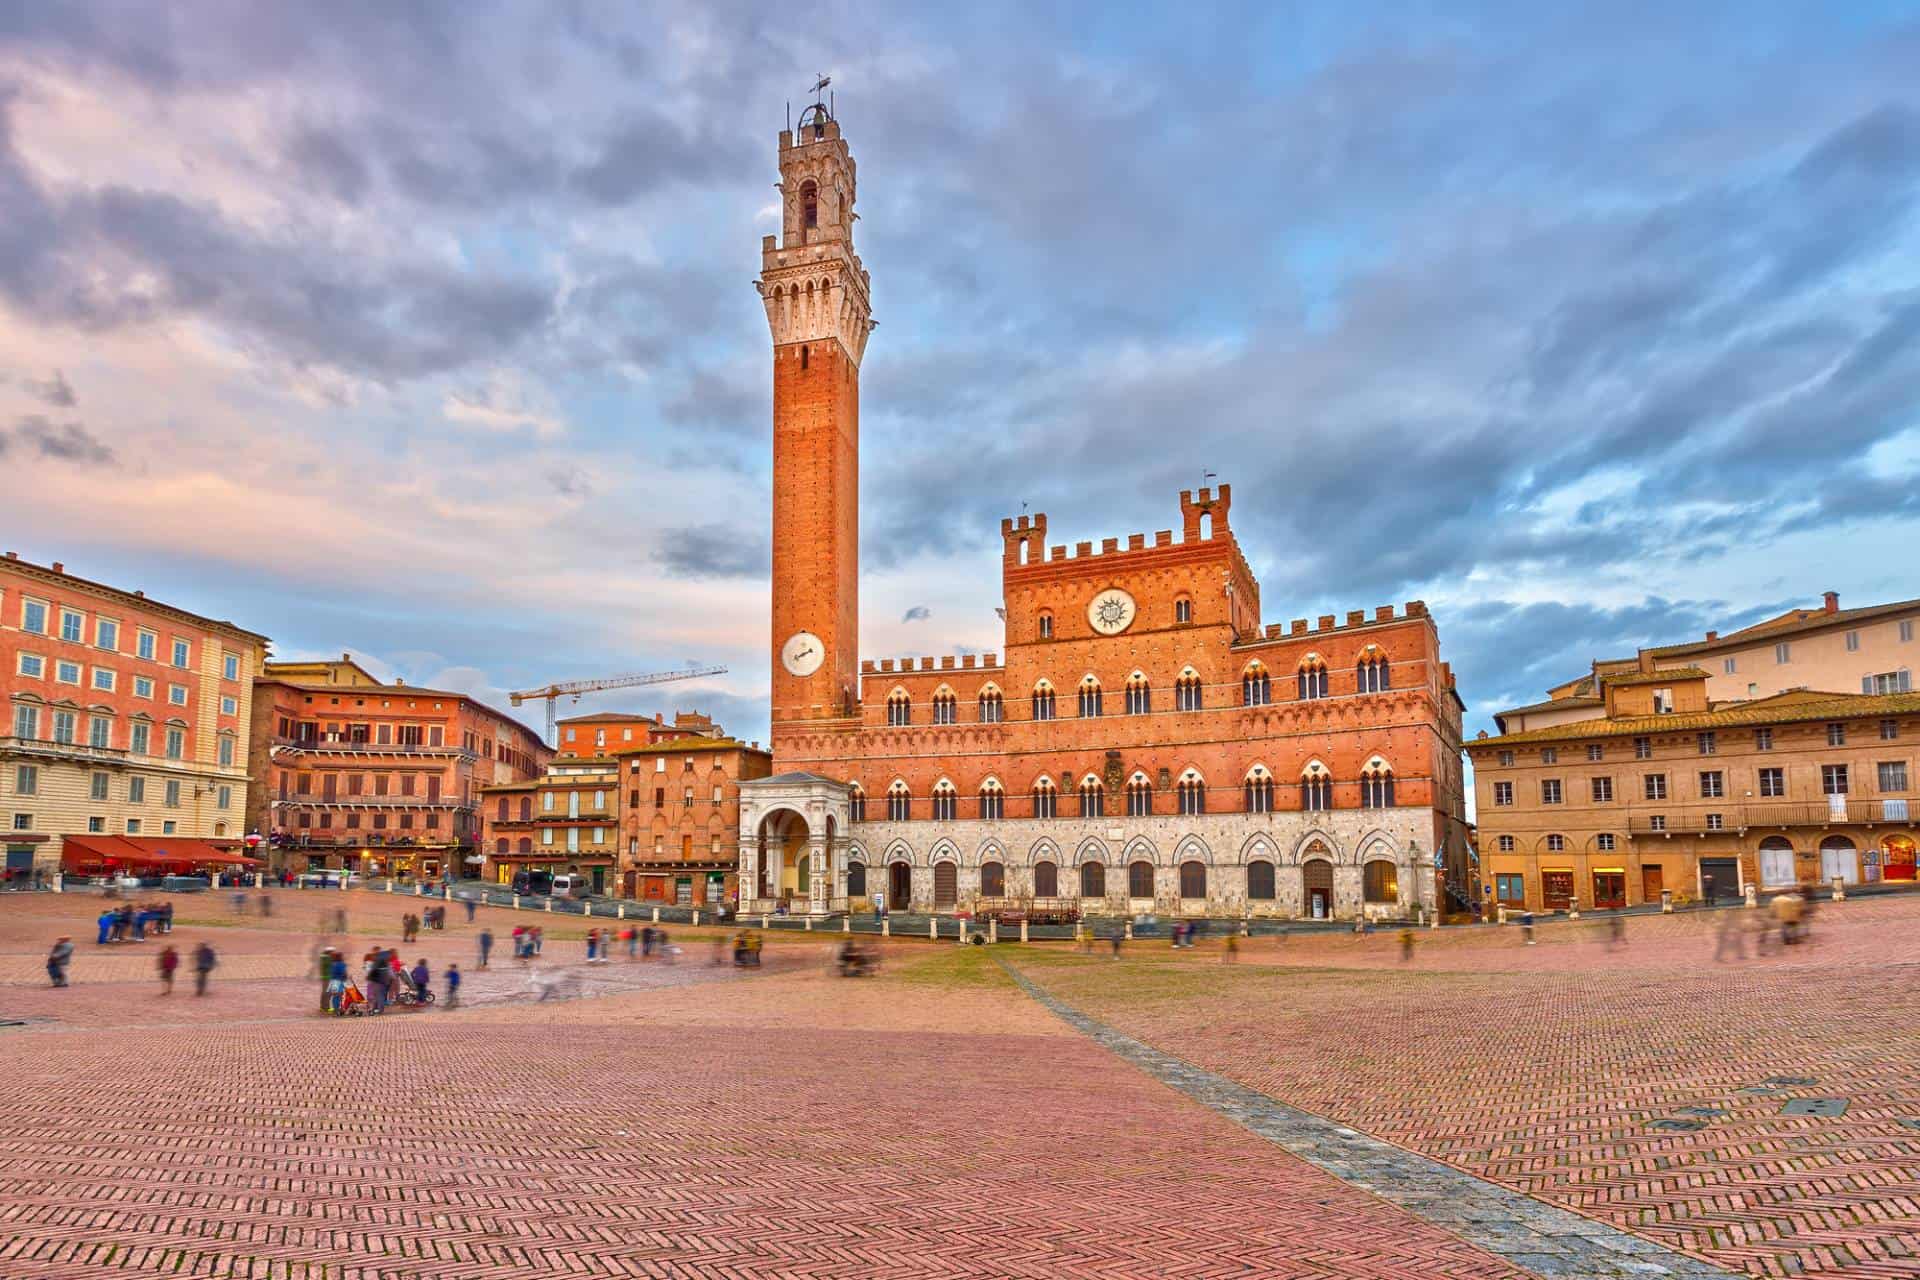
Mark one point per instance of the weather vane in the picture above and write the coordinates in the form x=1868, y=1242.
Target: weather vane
x=820, y=84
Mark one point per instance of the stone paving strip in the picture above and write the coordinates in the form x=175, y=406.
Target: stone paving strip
x=1537, y=1237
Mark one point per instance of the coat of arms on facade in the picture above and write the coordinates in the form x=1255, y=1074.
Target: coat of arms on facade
x=1116, y=774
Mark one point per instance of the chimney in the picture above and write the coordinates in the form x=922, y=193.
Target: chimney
x=1712, y=636
x=1831, y=600
x=1646, y=661
x=60, y=568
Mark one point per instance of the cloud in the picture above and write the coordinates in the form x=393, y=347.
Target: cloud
x=710, y=551
x=65, y=442
x=501, y=405
x=56, y=392
x=570, y=482
x=918, y=613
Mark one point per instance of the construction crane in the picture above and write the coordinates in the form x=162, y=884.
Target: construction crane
x=574, y=688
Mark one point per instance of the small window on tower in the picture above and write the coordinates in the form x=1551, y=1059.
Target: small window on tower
x=810, y=205
x=803, y=357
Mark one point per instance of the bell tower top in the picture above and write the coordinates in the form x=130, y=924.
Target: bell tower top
x=811, y=279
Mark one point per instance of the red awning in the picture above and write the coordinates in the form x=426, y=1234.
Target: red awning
x=96, y=853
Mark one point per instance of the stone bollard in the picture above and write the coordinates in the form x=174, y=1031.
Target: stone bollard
x=1500, y=915
x=516, y=902
x=389, y=886
x=620, y=911
x=1666, y=902
x=763, y=920
x=808, y=924
x=656, y=915
x=1023, y=931
x=886, y=926
x=696, y=915
x=1839, y=889
x=1129, y=931
x=1753, y=894
x=933, y=928
x=549, y=906
x=993, y=929
x=59, y=882
x=846, y=923
x=1573, y=907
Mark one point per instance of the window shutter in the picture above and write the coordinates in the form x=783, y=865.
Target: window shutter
x=1906, y=680
x=1866, y=684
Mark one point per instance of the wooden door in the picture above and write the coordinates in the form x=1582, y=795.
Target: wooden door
x=1652, y=881
x=946, y=884
x=1317, y=875
x=1609, y=889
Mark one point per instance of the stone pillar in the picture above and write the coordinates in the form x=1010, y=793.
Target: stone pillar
x=1753, y=894
x=819, y=876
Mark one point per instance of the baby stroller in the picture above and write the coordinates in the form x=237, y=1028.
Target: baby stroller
x=348, y=1002
x=407, y=991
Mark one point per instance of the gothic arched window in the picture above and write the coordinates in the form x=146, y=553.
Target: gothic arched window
x=856, y=804
x=1259, y=788
x=1139, y=695
x=1313, y=679
x=1256, y=686
x=1043, y=701
x=946, y=801
x=1376, y=786
x=993, y=880
x=1140, y=880
x=1193, y=793
x=1046, y=880
x=993, y=800
x=992, y=709
x=1089, y=698
x=1372, y=675
x=1188, y=693
x=1260, y=881
x=1193, y=879
x=1139, y=796
x=1093, y=880
x=1093, y=798
x=899, y=708
x=1316, y=788
x=946, y=708
x=899, y=802
x=1045, y=798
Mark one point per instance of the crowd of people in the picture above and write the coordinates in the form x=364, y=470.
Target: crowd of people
x=130, y=921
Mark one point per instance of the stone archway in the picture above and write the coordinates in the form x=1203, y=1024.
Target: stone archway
x=781, y=842
x=1316, y=875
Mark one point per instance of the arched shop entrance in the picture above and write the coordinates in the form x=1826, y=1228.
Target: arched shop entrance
x=1897, y=857
x=1317, y=876
x=899, y=886
x=1839, y=860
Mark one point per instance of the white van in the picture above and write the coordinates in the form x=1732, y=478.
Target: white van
x=571, y=887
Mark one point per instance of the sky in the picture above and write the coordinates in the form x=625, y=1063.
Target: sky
x=427, y=331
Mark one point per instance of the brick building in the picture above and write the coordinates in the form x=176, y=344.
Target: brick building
x=377, y=778
x=681, y=824
x=1146, y=743
x=565, y=821
x=603, y=731
x=1771, y=755
x=125, y=716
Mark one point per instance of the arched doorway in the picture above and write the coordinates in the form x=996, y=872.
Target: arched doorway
x=1897, y=857
x=1838, y=858
x=946, y=885
x=1776, y=862
x=782, y=856
x=1317, y=877
x=899, y=886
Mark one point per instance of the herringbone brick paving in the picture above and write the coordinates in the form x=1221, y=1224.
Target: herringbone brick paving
x=241, y=1135
x=1547, y=1068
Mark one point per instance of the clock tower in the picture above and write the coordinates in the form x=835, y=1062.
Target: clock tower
x=816, y=295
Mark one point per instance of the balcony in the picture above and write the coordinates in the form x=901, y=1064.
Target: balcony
x=373, y=802
x=1738, y=816
x=360, y=746
x=45, y=749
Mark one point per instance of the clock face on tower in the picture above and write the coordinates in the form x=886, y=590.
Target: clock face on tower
x=803, y=653
x=1111, y=611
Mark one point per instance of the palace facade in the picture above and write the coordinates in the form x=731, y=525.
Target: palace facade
x=1142, y=741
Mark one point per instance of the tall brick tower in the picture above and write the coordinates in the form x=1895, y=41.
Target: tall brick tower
x=816, y=294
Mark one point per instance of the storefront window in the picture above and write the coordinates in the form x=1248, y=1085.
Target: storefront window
x=1510, y=889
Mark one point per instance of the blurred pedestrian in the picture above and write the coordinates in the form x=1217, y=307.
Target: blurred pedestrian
x=420, y=975
x=486, y=946
x=1406, y=945
x=169, y=963
x=59, y=956
x=450, y=978
x=106, y=927
x=1526, y=927
x=1230, y=953
x=469, y=905
x=1731, y=939
x=1616, y=931
x=203, y=963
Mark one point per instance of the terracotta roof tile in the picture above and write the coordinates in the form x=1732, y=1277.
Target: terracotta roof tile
x=1786, y=708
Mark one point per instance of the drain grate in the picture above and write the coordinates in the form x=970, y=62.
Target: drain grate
x=1912, y=1122
x=1815, y=1107
x=1681, y=1126
x=1701, y=1111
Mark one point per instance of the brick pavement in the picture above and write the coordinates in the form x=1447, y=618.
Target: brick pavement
x=772, y=1124
x=1552, y=1069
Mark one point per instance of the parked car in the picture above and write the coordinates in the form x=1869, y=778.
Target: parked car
x=532, y=883
x=571, y=887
